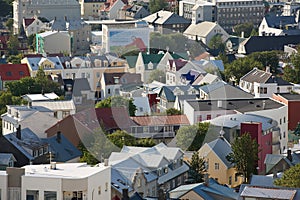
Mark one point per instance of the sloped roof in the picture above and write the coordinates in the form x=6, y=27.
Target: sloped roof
x=12, y=72
x=123, y=78
x=131, y=60
x=28, y=21
x=161, y=120
x=166, y=17
x=168, y=90
x=270, y=193
x=40, y=97
x=222, y=148
x=201, y=29
x=261, y=180
x=279, y=21
x=268, y=43
x=56, y=105
x=62, y=149
x=35, y=61
x=5, y=158
x=79, y=85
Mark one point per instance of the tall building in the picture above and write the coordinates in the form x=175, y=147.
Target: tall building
x=227, y=13
x=48, y=9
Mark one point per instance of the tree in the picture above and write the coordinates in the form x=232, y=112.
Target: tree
x=157, y=5
x=244, y=155
x=13, y=45
x=267, y=59
x=290, y=75
x=14, y=59
x=6, y=7
x=246, y=28
x=6, y=98
x=197, y=168
x=297, y=129
x=117, y=101
x=238, y=68
x=120, y=138
x=191, y=137
x=157, y=75
x=173, y=111
x=216, y=42
x=9, y=24
x=31, y=40
x=290, y=178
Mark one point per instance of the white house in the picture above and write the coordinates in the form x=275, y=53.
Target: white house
x=205, y=31
x=66, y=181
x=32, y=25
x=3, y=185
x=263, y=83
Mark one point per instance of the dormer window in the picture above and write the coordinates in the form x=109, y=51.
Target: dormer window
x=9, y=111
x=150, y=65
x=116, y=80
x=166, y=170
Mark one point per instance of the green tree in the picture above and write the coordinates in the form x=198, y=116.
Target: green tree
x=31, y=40
x=239, y=67
x=216, y=42
x=244, y=155
x=246, y=28
x=267, y=59
x=6, y=8
x=117, y=101
x=120, y=138
x=173, y=111
x=156, y=5
x=13, y=45
x=297, y=129
x=6, y=98
x=197, y=168
x=9, y=24
x=290, y=178
x=157, y=75
x=14, y=59
x=191, y=137
x=289, y=74
x=293, y=71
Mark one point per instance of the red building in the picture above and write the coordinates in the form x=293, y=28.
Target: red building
x=264, y=140
x=293, y=103
x=12, y=72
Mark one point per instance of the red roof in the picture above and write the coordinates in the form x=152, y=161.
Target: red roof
x=179, y=63
x=161, y=120
x=27, y=22
x=12, y=72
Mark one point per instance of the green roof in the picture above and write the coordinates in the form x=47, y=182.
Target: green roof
x=131, y=60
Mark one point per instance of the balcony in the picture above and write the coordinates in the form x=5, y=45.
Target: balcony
x=157, y=135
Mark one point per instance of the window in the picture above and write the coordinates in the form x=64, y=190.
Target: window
x=40, y=151
x=199, y=118
x=230, y=180
x=21, y=73
x=236, y=177
x=106, y=186
x=145, y=129
x=108, y=91
x=166, y=170
x=99, y=190
x=280, y=121
x=283, y=119
x=8, y=73
x=217, y=166
x=208, y=117
x=284, y=134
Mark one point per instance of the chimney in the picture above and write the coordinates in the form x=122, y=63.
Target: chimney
x=105, y=162
x=268, y=69
x=18, y=133
x=264, y=104
x=125, y=194
x=219, y=104
x=58, y=137
x=29, y=104
x=289, y=155
x=206, y=180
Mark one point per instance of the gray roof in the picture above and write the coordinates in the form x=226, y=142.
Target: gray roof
x=5, y=158
x=56, y=105
x=259, y=76
x=80, y=84
x=234, y=120
x=241, y=105
x=168, y=90
x=222, y=148
x=201, y=29
x=173, y=173
x=35, y=62
x=279, y=21
x=261, y=180
x=166, y=17
x=270, y=193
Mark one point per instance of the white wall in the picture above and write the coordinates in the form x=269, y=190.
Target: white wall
x=3, y=185
x=56, y=43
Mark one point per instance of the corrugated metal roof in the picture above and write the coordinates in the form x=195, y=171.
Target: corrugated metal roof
x=270, y=193
x=161, y=120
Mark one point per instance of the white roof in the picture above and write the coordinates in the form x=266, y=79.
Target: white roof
x=63, y=170
x=268, y=193
x=41, y=97
x=201, y=29
x=48, y=33
x=56, y=105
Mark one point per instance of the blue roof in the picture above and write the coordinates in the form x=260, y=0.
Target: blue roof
x=64, y=150
x=119, y=182
x=34, y=62
x=169, y=90
x=211, y=87
x=136, y=196
x=222, y=148
x=275, y=21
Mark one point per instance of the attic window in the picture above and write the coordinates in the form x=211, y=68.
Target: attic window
x=8, y=74
x=21, y=73
x=32, y=64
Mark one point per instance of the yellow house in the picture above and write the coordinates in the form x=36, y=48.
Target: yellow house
x=90, y=9
x=219, y=168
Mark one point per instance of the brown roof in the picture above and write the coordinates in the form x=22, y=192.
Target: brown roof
x=256, y=75
x=161, y=120
x=27, y=21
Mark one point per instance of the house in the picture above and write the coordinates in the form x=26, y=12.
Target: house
x=221, y=90
x=81, y=91
x=76, y=128
x=210, y=190
x=142, y=106
x=6, y=160
x=214, y=153
x=66, y=180
x=208, y=79
x=166, y=22
x=23, y=45
x=133, y=12
x=205, y=31
x=293, y=103
x=90, y=9
x=229, y=13
x=61, y=149
x=53, y=42
x=273, y=25
x=176, y=68
x=190, y=77
x=46, y=9
x=167, y=95
x=151, y=168
x=266, y=43
x=200, y=110
x=50, y=64
x=32, y=25
x=233, y=42
x=263, y=83
x=25, y=146
x=111, y=8
x=12, y=72
x=162, y=128
x=276, y=163
x=112, y=83
x=27, y=116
